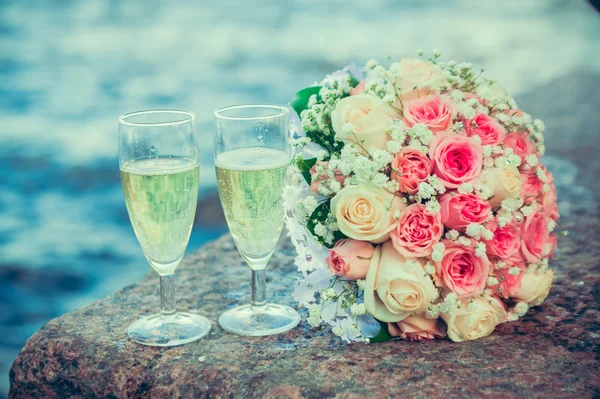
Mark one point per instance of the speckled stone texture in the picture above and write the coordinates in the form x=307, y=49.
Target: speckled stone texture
x=552, y=352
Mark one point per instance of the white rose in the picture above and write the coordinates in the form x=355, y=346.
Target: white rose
x=393, y=292
x=535, y=287
x=475, y=319
x=412, y=72
x=370, y=119
x=366, y=212
x=502, y=182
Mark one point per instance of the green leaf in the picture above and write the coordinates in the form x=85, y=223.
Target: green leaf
x=300, y=102
x=384, y=334
x=320, y=215
x=304, y=165
x=354, y=82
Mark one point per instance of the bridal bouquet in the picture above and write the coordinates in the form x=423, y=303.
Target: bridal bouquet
x=417, y=203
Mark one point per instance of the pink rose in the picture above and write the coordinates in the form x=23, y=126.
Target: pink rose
x=506, y=241
x=417, y=231
x=359, y=89
x=435, y=112
x=409, y=168
x=509, y=283
x=552, y=240
x=531, y=187
x=456, y=159
x=534, y=230
x=350, y=258
x=416, y=328
x=548, y=201
x=486, y=127
x=459, y=210
x=461, y=271
x=324, y=178
x=520, y=144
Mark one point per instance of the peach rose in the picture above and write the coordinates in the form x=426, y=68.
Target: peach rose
x=487, y=128
x=521, y=145
x=416, y=328
x=417, y=231
x=455, y=159
x=410, y=167
x=535, y=233
x=475, y=320
x=503, y=182
x=366, y=212
x=324, y=178
x=435, y=112
x=395, y=291
x=506, y=241
x=350, y=258
x=359, y=89
x=531, y=187
x=415, y=78
x=370, y=118
x=459, y=210
x=461, y=271
x=535, y=287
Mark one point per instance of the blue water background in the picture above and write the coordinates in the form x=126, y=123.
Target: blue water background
x=68, y=69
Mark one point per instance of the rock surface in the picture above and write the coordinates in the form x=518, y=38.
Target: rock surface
x=551, y=352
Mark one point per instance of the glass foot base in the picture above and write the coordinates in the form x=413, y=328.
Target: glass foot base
x=258, y=321
x=176, y=329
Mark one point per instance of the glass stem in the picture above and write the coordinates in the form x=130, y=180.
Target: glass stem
x=167, y=295
x=259, y=287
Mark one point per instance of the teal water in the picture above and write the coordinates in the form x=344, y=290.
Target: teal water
x=69, y=68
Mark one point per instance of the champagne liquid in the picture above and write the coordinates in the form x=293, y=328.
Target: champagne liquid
x=161, y=196
x=250, y=183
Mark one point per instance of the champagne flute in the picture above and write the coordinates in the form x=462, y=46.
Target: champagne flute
x=252, y=155
x=158, y=158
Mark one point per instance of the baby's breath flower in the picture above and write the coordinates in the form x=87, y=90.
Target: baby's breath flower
x=492, y=281
x=429, y=268
x=539, y=125
x=337, y=330
x=514, y=271
x=358, y=309
x=487, y=150
x=487, y=234
x=514, y=160
x=521, y=308
x=462, y=240
x=361, y=283
x=310, y=204
x=410, y=265
x=457, y=95
x=474, y=229
x=438, y=252
x=527, y=210
x=320, y=230
x=465, y=188
x=532, y=160
x=425, y=190
x=452, y=235
x=433, y=206
x=394, y=146
x=480, y=249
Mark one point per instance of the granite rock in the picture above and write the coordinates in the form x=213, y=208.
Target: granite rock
x=552, y=352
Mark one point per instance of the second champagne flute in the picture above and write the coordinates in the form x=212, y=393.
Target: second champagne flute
x=252, y=155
